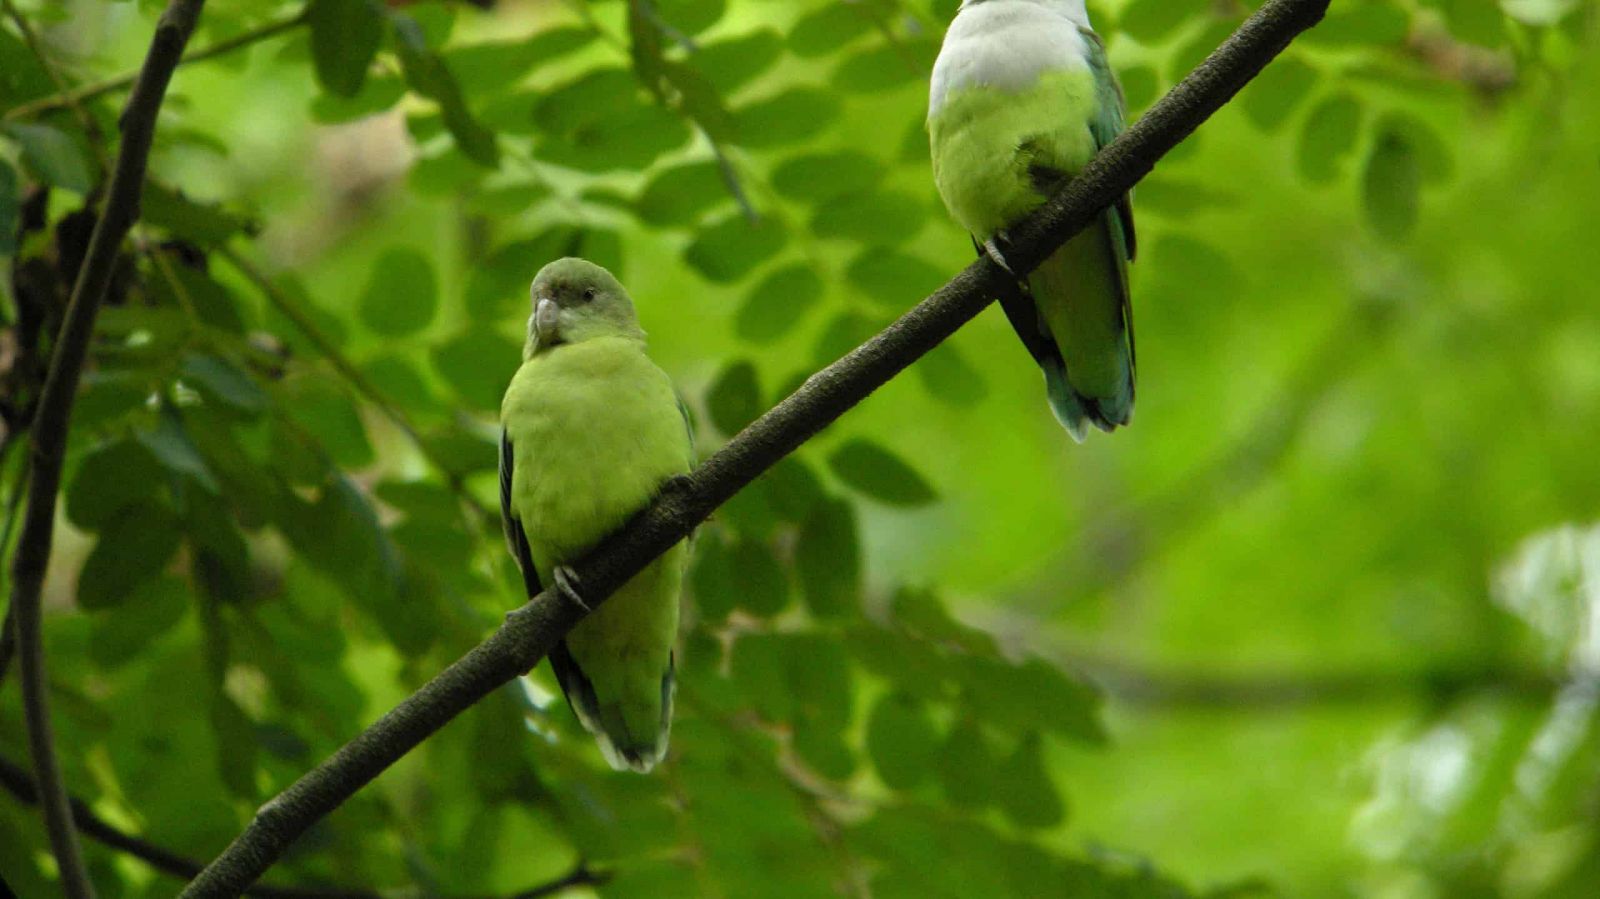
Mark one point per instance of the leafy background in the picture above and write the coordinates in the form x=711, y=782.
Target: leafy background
x=1322, y=623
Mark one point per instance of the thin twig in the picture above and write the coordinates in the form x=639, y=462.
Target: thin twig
x=49, y=431
x=8, y=627
x=730, y=178
x=90, y=91
x=529, y=632
x=14, y=778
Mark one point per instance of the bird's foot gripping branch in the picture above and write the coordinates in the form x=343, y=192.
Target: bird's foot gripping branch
x=528, y=634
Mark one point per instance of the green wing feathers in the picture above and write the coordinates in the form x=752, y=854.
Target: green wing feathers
x=1081, y=292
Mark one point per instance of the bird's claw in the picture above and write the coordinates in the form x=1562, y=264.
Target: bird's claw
x=991, y=248
x=677, y=484
x=568, y=585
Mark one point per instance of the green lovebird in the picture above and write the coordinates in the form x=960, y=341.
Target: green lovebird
x=591, y=431
x=1022, y=98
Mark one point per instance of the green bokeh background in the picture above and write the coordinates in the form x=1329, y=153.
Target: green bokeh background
x=1334, y=589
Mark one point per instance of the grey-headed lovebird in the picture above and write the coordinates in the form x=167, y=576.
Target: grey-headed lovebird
x=591, y=431
x=1022, y=98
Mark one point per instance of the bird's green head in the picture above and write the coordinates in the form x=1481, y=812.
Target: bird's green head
x=575, y=300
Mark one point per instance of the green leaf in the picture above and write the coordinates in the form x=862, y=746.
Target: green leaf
x=892, y=278
x=827, y=560
x=1140, y=86
x=884, y=67
x=478, y=365
x=879, y=217
x=428, y=76
x=1191, y=53
x=51, y=154
x=679, y=195
x=203, y=223
x=378, y=93
x=1330, y=133
x=950, y=378
x=967, y=766
x=922, y=613
x=844, y=333
x=1032, y=695
x=690, y=17
x=10, y=208
x=877, y=473
x=402, y=295
x=236, y=746
x=111, y=477
x=1149, y=21
x=712, y=576
x=815, y=177
x=1368, y=24
x=1024, y=790
x=171, y=446
x=786, y=118
x=1434, y=157
x=135, y=546
x=498, y=284
x=463, y=451
x=759, y=584
x=829, y=28
x=345, y=35
x=902, y=741
x=576, y=105
x=731, y=247
x=328, y=413
x=420, y=499
x=824, y=751
x=699, y=100
x=152, y=610
x=180, y=285
x=1392, y=186
x=732, y=63
x=734, y=399
x=792, y=490
x=340, y=536
x=774, y=306
x=397, y=379
x=1277, y=91
x=630, y=139
x=223, y=382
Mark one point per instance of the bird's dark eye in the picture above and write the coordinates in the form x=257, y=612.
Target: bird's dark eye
x=588, y=294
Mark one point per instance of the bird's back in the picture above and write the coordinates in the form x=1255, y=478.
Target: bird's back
x=1011, y=87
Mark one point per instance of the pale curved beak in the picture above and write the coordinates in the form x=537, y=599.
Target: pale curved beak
x=547, y=321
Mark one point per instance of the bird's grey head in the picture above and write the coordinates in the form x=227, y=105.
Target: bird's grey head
x=1071, y=9
x=574, y=300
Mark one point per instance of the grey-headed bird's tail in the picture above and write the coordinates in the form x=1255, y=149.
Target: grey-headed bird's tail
x=1083, y=329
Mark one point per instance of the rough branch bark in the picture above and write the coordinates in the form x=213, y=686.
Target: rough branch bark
x=532, y=629
x=49, y=433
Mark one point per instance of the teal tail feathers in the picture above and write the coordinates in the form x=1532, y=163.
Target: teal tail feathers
x=622, y=748
x=1080, y=296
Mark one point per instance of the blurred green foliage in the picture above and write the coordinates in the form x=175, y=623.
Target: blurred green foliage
x=1322, y=623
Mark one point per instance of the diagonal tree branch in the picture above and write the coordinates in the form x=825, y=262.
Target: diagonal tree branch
x=531, y=630
x=49, y=433
x=15, y=779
